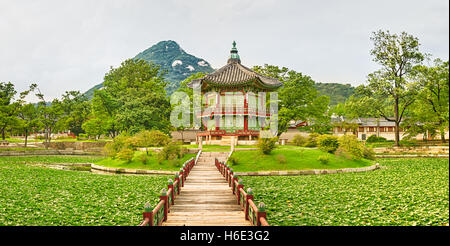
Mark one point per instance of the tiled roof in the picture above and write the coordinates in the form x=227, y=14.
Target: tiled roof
x=234, y=74
x=365, y=121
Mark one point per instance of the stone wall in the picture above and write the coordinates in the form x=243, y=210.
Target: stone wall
x=75, y=145
x=47, y=152
x=413, y=150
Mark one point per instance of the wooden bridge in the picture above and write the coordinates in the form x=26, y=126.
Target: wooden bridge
x=206, y=198
x=205, y=193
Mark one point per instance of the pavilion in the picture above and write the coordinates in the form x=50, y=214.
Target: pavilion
x=233, y=103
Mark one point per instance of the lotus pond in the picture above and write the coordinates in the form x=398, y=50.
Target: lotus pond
x=406, y=192
x=33, y=195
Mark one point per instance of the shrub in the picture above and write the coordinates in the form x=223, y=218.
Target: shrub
x=82, y=136
x=144, y=158
x=328, y=143
x=171, y=151
x=153, y=138
x=118, y=144
x=125, y=154
x=374, y=139
x=232, y=161
x=350, y=145
x=175, y=163
x=63, y=137
x=281, y=159
x=312, y=140
x=342, y=153
x=324, y=159
x=299, y=140
x=266, y=145
x=368, y=153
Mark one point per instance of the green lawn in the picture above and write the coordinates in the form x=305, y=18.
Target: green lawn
x=43, y=196
x=296, y=159
x=406, y=192
x=152, y=163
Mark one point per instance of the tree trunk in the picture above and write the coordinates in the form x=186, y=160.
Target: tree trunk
x=397, y=123
x=3, y=134
x=26, y=138
x=443, y=136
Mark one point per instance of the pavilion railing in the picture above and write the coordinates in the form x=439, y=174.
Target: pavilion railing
x=156, y=216
x=255, y=214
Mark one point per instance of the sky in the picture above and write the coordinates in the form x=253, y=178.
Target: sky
x=71, y=44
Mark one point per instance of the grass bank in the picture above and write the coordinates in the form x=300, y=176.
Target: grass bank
x=291, y=159
x=152, y=162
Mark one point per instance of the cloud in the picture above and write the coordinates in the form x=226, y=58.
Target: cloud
x=70, y=45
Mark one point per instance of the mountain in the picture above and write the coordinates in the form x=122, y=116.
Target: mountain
x=337, y=93
x=180, y=65
x=172, y=58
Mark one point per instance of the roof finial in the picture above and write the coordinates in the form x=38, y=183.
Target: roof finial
x=234, y=56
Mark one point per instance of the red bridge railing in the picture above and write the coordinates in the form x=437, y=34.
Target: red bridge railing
x=156, y=216
x=255, y=214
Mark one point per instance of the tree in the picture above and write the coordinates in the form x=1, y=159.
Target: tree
x=188, y=91
x=77, y=108
x=50, y=115
x=298, y=99
x=9, y=107
x=29, y=119
x=105, y=107
x=133, y=99
x=93, y=127
x=430, y=111
x=389, y=92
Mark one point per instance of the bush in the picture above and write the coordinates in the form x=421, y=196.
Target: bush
x=63, y=137
x=118, y=144
x=312, y=140
x=324, y=159
x=328, y=143
x=125, y=154
x=232, y=161
x=82, y=136
x=299, y=140
x=175, y=163
x=351, y=147
x=368, y=153
x=266, y=145
x=153, y=138
x=281, y=159
x=374, y=139
x=144, y=158
x=171, y=151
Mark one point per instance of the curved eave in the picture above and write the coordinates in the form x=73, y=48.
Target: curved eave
x=254, y=82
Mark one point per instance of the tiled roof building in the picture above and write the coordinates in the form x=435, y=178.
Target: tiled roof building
x=234, y=93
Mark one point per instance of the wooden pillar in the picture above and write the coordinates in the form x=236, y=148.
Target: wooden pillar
x=245, y=112
x=218, y=107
